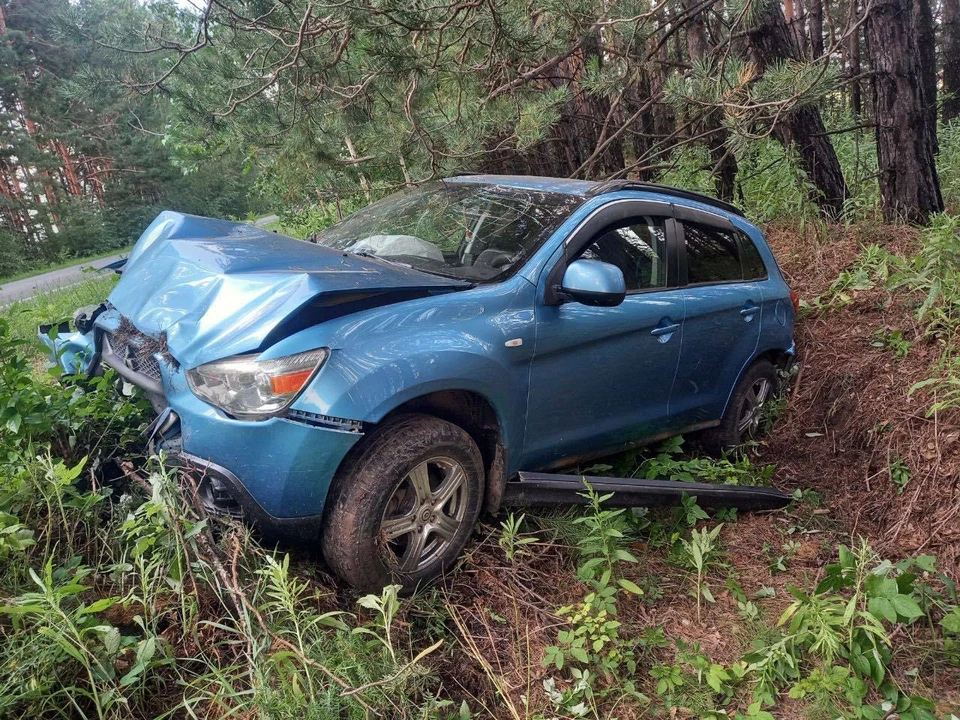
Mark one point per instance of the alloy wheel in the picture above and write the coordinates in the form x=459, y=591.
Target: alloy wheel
x=751, y=409
x=424, y=513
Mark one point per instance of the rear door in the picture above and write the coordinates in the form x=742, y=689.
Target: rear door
x=723, y=298
x=601, y=376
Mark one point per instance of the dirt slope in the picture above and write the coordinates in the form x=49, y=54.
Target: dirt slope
x=851, y=416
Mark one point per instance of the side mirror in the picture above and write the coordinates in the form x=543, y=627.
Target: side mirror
x=591, y=282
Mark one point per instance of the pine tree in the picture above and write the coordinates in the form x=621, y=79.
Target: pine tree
x=906, y=145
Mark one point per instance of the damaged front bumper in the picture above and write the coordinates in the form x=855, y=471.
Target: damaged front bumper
x=274, y=473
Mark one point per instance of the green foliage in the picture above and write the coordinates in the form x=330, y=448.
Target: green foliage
x=948, y=164
x=934, y=273
x=891, y=341
x=76, y=418
x=511, y=540
x=844, y=624
x=900, y=474
x=385, y=606
x=697, y=553
x=669, y=463
x=592, y=638
x=89, y=158
x=303, y=222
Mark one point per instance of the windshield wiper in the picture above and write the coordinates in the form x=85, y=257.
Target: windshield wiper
x=366, y=254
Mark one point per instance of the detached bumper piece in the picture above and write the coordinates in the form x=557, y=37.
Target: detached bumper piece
x=544, y=489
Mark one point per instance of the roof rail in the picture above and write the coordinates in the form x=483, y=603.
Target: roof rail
x=610, y=186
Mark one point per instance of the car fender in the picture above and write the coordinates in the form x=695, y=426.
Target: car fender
x=366, y=389
x=480, y=340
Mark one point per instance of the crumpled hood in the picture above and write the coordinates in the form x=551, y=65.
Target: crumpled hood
x=217, y=288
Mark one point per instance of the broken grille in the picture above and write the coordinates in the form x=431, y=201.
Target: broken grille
x=136, y=350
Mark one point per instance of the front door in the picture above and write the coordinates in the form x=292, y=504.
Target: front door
x=601, y=376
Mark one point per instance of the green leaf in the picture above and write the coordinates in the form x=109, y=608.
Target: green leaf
x=951, y=622
x=629, y=586
x=906, y=607
x=882, y=608
x=99, y=606
x=111, y=641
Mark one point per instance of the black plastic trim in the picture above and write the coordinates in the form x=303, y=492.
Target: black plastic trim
x=543, y=489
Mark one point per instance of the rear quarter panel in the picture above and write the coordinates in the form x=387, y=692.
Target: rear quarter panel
x=777, y=317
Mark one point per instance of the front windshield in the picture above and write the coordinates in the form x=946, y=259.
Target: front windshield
x=475, y=231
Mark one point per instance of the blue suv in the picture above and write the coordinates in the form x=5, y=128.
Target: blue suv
x=379, y=386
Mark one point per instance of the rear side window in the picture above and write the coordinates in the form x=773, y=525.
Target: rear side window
x=638, y=247
x=713, y=254
x=753, y=267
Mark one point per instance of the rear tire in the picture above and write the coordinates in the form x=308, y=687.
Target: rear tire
x=402, y=508
x=743, y=419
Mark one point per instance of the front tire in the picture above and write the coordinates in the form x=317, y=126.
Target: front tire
x=743, y=419
x=402, y=508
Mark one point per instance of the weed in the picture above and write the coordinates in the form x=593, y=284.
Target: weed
x=511, y=540
x=385, y=606
x=592, y=638
x=669, y=464
x=899, y=474
x=669, y=678
x=891, y=341
x=945, y=388
x=689, y=512
x=698, y=552
x=934, y=273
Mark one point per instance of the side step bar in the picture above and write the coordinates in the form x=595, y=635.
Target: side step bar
x=532, y=489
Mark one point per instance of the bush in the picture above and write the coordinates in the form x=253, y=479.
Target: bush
x=82, y=230
x=74, y=419
x=12, y=257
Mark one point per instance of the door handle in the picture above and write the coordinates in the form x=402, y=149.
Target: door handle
x=665, y=330
x=749, y=310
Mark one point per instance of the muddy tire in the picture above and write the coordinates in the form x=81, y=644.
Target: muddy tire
x=743, y=419
x=402, y=507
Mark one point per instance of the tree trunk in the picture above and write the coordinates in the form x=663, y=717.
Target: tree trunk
x=950, y=30
x=853, y=64
x=771, y=41
x=909, y=186
x=816, y=28
x=927, y=57
x=724, y=162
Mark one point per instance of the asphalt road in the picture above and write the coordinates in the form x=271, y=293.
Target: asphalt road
x=64, y=277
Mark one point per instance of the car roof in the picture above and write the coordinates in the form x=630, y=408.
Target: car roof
x=565, y=186
x=590, y=188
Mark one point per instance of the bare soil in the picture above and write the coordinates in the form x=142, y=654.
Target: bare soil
x=851, y=414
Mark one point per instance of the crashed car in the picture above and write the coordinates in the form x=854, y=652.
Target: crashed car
x=375, y=389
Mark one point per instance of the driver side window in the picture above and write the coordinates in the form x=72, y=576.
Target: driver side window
x=638, y=247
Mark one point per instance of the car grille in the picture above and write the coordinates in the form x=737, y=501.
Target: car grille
x=136, y=350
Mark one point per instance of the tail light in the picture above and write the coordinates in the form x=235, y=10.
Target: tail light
x=795, y=299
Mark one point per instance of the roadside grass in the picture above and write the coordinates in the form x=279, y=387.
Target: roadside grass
x=54, y=306
x=119, y=599
x=71, y=262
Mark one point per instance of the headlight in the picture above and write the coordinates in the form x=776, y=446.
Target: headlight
x=244, y=387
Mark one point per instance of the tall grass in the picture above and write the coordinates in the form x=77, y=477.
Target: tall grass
x=57, y=305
